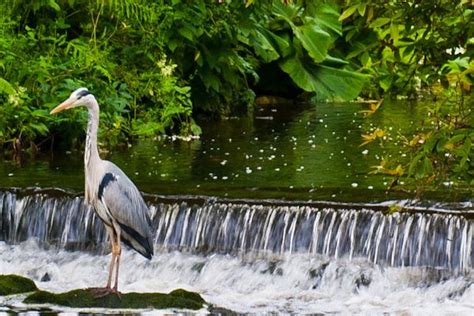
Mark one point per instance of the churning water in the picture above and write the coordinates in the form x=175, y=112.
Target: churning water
x=249, y=256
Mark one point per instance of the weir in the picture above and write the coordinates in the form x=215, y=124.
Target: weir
x=441, y=240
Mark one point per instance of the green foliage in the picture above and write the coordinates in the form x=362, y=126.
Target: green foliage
x=301, y=36
x=443, y=154
x=420, y=49
x=405, y=45
x=153, y=64
x=50, y=48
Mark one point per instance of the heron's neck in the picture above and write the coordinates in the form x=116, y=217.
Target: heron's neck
x=91, y=152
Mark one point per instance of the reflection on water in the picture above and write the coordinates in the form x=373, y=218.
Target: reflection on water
x=293, y=152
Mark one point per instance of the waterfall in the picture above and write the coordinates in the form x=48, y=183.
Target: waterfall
x=432, y=239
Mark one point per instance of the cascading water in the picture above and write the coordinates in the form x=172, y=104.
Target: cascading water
x=399, y=239
x=252, y=257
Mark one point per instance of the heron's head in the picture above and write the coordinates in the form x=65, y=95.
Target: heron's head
x=80, y=97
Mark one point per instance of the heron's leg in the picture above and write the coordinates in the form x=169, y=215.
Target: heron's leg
x=118, y=253
x=113, y=238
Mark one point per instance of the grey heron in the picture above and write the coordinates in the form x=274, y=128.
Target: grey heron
x=114, y=197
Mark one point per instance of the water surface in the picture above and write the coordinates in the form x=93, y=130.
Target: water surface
x=295, y=152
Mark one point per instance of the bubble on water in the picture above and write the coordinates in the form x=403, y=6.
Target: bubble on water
x=225, y=177
x=365, y=152
x=259, y=168
x=277, y=169
x=223, y=162
x=10, y=174
x=248, y=170
x=370, y=187
x=354, y=184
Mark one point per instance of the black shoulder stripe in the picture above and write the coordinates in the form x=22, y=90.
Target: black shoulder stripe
x=108, y=177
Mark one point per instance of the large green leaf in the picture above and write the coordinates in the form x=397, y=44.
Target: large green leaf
x=314, y=40
x=308, y=30
x=326, y=16
x=264, y=44
x=326, y=82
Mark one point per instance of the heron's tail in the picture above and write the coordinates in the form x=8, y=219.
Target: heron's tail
x=143, y=245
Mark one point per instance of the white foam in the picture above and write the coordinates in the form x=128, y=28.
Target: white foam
x=297, y=283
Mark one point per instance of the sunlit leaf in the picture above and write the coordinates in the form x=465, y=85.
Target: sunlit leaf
x=348, y=12
x=6, y=87
x=379, y=22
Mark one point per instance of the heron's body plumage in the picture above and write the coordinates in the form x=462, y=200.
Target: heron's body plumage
x=125, y=208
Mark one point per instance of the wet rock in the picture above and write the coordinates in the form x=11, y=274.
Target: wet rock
x=45, y=277
x=273, y=268
x=198, y=267
x=85, y=298
x=14, y=284
x=363, y=280
x=317, y=274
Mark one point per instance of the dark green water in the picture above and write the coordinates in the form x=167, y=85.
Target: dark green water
x=306, y=152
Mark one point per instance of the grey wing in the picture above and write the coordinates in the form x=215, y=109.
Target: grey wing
x=126, y=206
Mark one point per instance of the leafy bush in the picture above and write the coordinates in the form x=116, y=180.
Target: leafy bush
x=50, y=48
x=153, y=64
x=405, y=45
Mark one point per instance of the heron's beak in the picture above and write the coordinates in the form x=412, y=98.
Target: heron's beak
x=63, y=106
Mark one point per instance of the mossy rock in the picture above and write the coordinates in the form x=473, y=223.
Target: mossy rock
x=14, y=284
x=85, y=298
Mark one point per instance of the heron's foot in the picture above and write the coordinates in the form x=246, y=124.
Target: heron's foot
x=99, y=292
